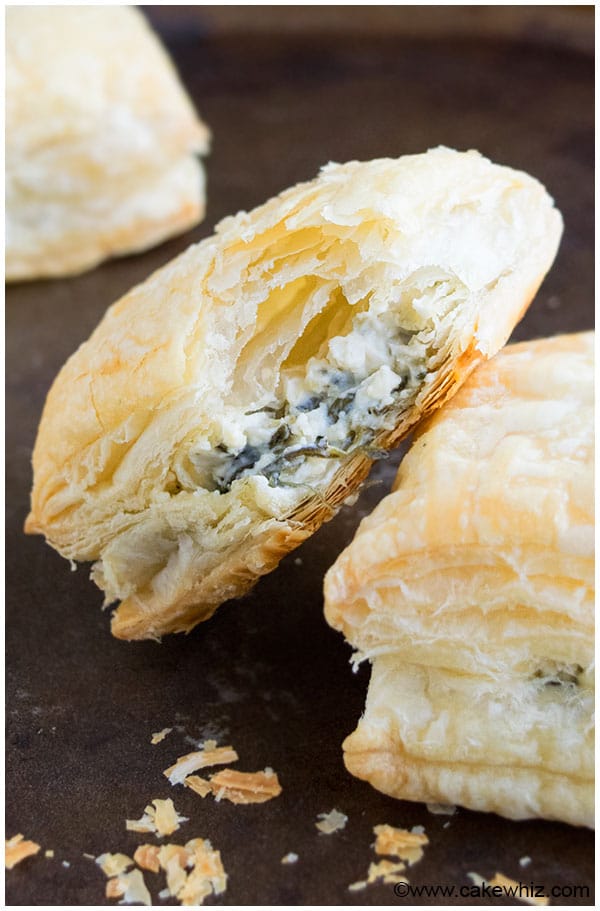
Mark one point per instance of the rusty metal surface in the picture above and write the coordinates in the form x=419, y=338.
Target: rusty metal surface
x=266, y=674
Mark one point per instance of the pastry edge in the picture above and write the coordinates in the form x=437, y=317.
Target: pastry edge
x=498, y=789
x=59, y=260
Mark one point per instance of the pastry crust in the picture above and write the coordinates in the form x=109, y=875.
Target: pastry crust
x=229, y=405
x=101, y=140
x=471, y=588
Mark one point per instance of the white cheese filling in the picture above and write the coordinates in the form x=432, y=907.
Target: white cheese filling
x=320, y=410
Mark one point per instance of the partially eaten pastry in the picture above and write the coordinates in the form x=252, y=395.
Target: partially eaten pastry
x=101, y=140
x=471, y=589
x=229, y=405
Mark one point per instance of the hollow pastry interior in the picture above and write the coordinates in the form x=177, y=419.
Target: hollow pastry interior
x=230, y=404
x=344, y=371
x=471, y=589
x=322, y=379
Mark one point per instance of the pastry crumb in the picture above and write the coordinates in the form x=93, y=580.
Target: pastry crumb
x=143, y=824
x=160, y=735
x=357, y=886
x=170, y=852
x=114, y=889
x=193, y=872
x=387, y=870
x=146, y=857
x=401, y=843
x=394, y=841
x=237, y=787
x=113, y=864
x=17, y=849
x=174, y=866
x=207, y=875
x=199, y=785
x=290, y=858
x=160, y=819
x=441, y=809
x=513, y=889
x=130, y=888
x=331, y=822
x=89, y=856
x=49, y=853
x=209, y=755
x=245, y=787
x=476, y=879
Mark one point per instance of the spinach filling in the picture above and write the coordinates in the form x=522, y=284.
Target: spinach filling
x=283, y=451
x=555, y=674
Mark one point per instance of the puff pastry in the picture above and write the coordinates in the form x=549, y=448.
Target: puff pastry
x=471, y=588
x=101, y=140
x=226, y=407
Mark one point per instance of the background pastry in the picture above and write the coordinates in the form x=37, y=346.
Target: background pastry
x=230, y=404
x=471, y=589
x=101, y=140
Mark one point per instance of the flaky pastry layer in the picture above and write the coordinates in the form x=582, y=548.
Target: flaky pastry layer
x=471, y=588
x=101, y=140
x=521, y=748
x=230, y=404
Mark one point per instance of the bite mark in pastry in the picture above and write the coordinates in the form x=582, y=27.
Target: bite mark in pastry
x=101, y=140
x=471, y=589
x=229, y=405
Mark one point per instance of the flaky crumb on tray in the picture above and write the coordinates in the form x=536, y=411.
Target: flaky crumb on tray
x=146, y=857
x=511, y=888
x=331, y=822
x=160, y=735
x=199, y=785
x=403, y=844
x=237, y=787
x=200, y=759
x=358, y=886
x=387, y=870
x=207, y=875
x=520, y=891
x=130, y=888
x=400, y=843
x=441, y=809
x=160, y=818
x=245, y=787
x=193, y=872
x=113, y=864
x=17, y=849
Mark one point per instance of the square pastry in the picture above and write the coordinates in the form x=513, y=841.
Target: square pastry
x=471, y=587
x=101, y=140
x=227, y=406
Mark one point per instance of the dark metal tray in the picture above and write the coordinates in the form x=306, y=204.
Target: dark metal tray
x=267, y=674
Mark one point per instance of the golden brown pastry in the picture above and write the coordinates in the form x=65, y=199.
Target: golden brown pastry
x=471, y=590
x=101, y=140
x=229, y=405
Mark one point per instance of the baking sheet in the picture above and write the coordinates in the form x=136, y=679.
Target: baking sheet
x=266, y=673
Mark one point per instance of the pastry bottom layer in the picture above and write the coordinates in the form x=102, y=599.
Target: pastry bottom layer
x=54, y=237
x=520, y=748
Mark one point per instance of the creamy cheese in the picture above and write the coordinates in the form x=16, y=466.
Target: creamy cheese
x=322, y=410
